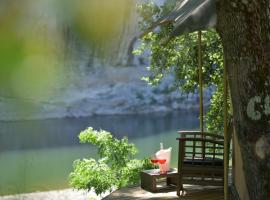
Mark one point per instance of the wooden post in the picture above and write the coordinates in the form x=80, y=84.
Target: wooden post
x=226, y=151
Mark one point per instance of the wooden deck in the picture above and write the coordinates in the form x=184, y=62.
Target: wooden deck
x=192, y=193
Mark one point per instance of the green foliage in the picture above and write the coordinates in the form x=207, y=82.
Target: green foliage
x=115, y=168
x=179, y=56
x=89, y=173
x=214, y=116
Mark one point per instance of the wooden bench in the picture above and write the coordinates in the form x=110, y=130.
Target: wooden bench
x=200, y=159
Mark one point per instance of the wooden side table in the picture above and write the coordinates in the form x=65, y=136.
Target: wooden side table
x=155, y=182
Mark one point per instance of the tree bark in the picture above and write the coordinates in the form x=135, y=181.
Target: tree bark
x=244, y=27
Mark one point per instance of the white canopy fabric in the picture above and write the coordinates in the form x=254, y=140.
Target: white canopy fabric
x=194, y=15
x=189, y=16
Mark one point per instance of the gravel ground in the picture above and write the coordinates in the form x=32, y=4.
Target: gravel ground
x=66, y=194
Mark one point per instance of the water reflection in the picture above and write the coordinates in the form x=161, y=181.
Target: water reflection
x=24, y=135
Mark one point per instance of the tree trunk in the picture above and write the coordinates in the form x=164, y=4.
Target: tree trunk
x=244, y=27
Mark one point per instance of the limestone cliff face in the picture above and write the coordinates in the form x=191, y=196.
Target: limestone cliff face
x=93, y=78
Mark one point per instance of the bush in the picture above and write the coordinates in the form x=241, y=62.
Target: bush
x=115, y=167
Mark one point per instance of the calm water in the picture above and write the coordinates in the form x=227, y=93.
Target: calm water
x=38, y=155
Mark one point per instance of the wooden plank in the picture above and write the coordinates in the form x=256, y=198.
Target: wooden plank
x=193, y=192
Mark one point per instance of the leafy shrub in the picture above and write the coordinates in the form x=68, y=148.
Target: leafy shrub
x=115, y=167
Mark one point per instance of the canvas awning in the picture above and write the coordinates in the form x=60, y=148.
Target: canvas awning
x=194, y=15
x=189, y=16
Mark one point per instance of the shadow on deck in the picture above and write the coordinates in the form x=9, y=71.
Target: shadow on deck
x=194, y=192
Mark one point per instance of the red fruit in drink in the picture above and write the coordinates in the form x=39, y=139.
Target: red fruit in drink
x=162, y=161
x=154, y=161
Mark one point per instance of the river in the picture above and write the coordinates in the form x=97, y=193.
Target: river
x=38, y=155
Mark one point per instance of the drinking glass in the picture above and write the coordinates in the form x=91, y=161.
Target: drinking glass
x=162, y=166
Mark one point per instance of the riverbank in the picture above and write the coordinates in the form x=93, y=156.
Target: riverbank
x=104, y=91
x=66, y=194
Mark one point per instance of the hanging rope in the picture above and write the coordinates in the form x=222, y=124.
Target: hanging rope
x=225, y=113
x=200, y=79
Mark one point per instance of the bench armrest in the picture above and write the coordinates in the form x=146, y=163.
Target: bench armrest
x=205, y=134
x=200, y=140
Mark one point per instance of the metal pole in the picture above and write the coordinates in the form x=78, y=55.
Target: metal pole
x=200, y=79
x=226, y=151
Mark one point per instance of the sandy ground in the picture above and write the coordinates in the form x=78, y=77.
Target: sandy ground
x=66, y=194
